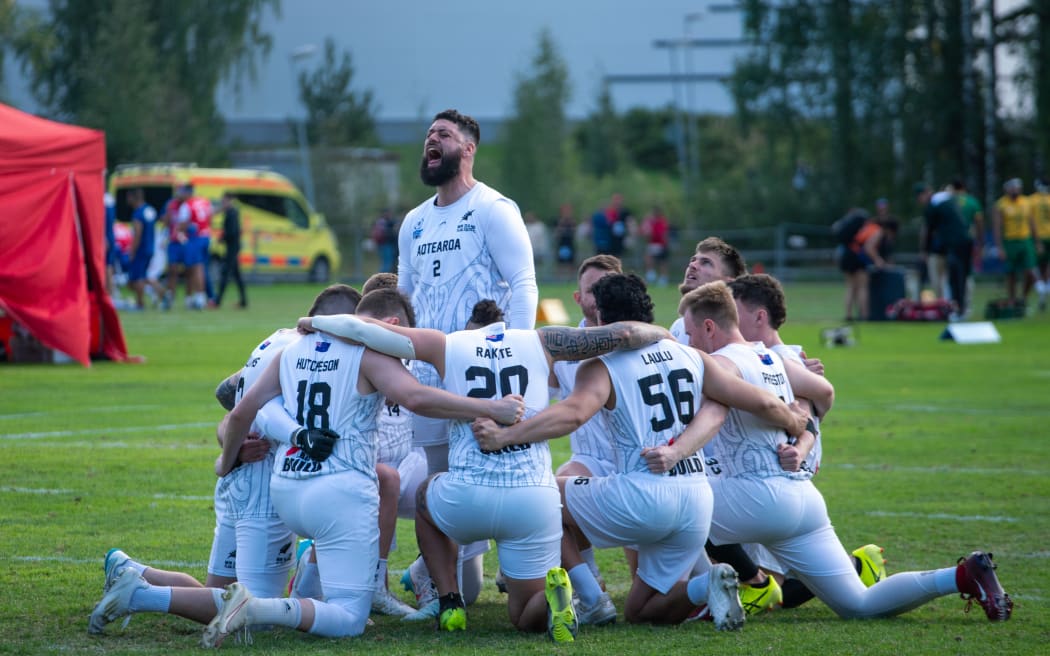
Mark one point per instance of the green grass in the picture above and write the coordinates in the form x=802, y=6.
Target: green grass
x=933, y=449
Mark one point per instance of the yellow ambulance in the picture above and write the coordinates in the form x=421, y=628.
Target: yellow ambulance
x=281, y=235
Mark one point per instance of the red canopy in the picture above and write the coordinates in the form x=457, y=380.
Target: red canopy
x=52, y=235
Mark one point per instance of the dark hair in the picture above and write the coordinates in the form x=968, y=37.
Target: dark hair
x=388, y=303
x=466, y=124
x=602, y=261
x=764, y=291
x=732, y=261
x=622, y=297
x=336, y=299
x=382, y=280
x=485, y=312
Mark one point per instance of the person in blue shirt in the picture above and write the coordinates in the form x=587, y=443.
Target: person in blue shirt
x=143, y=226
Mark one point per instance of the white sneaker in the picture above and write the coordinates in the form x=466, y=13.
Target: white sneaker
x=232, y=617
x=115, y=562
x=428, y=611
x=723, y=598
x=416, y=579
x=385, y=603
x=116, y=603
x=601, y=613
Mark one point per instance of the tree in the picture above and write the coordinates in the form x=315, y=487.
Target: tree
x=599, y=138
x=336, y=115
x=534, y=145
x=145, y=72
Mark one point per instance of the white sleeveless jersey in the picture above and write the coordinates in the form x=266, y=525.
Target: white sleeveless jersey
x=658, y=391
x=395, y=434
x=245, y=491
x=451, y=266
x=812, y=462
x=592, y=438
x=677, y=330
x=490, y=363
x=319, y=377
x=746, y=445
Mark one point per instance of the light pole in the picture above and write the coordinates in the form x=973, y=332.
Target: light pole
x=300, y=53
x=692, y=138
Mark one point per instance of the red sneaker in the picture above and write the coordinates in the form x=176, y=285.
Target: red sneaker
x=975, y=577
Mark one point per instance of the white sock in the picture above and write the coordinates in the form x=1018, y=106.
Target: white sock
x=282, y=612
x=944, y=580
x=216, y=596
x=137, y=566
x=380, y=577
x=154, y=598
x=585, y=585
x=696, y=589
x=588, y=557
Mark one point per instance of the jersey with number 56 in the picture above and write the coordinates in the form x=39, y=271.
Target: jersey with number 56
x=658, y=390
x=490, y=363
x=319, y=387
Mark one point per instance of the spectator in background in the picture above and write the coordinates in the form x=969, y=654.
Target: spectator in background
x=973, y=218
x=231, y=237
x=110, y=206
x=143, y=225
x=1039, y=207
x=890, y=228
x=1017, y=241
x=657, y=231
x=855, y=259
x=619, y=220
x=176, y=246
x=538, y=237
x=384, y=235
x=195, y=215
x=943, y=228
x=565, y=239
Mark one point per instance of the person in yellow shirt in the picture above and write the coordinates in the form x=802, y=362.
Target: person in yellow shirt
x=1039, y=208
x=1017, y=241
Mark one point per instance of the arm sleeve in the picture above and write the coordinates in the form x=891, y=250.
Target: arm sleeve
x=274, y=422
x=504, y=227
x=374, y=337
x=404, y=258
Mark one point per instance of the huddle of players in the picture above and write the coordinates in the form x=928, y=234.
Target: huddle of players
x=710, y=421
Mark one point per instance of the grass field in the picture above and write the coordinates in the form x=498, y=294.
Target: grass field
x=933, y=449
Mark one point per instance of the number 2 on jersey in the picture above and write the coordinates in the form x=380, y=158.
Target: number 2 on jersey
x=506, y=381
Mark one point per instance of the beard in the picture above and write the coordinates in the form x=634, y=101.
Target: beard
x=445, y=171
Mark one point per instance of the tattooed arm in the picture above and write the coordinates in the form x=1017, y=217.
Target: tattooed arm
x=226, y=392
x=563, y=343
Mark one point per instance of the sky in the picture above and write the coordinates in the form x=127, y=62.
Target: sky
x=420, y=57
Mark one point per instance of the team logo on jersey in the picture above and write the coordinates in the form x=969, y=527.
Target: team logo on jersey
x=466, y=227
x=467, y=215
x=322, y=347
x=766, y=358
x=417, y=229
x=494, y=338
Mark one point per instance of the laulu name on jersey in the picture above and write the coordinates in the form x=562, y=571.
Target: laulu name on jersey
x=656, y=357
x=431, y=247
x=508, y=449
x=773, y=379
x=306, y=364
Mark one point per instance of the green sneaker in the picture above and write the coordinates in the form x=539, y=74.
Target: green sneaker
x=561, y=617
x=453, y=619
x=757, y=599
x=872, y=564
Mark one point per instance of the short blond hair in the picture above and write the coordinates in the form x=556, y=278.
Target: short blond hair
x=711, y=301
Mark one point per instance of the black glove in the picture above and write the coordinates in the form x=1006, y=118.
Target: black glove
x=315, y=442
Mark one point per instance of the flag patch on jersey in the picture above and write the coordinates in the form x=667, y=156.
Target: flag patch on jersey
x=765, y=358
x=322, y=347
x=494, y=338
x=264, y=345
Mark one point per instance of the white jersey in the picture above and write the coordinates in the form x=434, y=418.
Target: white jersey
x=395, y=434
x=658, y=391
x=811, y=464
x=746, y=445
x=490, y=363
x=592, y=438
x=245, y=491
x=456, y=255
x=678, y=331
x=319, y=386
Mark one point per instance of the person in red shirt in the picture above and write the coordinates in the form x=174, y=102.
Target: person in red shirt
x=657, y=231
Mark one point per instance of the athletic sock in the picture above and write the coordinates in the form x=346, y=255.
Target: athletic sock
x=153, y=598
x=380, y=578
x=588, y=557
x=795, y=593
x=282, y=612
x=696, y=588
x=585, y=585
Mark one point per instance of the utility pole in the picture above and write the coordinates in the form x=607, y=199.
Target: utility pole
x=990, y=177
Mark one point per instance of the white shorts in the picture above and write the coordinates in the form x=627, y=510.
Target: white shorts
x=788, y=517
x=340, y=512
x=597, y=466
x=413, y=471
x=525, y=522
x=258, y=552
x=667, y=519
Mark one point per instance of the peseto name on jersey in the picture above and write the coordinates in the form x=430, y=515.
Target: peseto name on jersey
x=431, y=247
x=306, y=364
x=657, y=357
x=773, y=379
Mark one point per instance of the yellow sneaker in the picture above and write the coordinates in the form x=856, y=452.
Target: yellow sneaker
x=757, y=599
x=872, y=564
x=561, y=617
x=453, y=619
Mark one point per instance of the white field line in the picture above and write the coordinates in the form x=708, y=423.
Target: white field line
x=95, y=410
x=939, y=469
x=46, y=491
x=944, y=516
x=106, y=431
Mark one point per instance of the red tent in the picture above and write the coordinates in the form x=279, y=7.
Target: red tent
x=52, y=236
